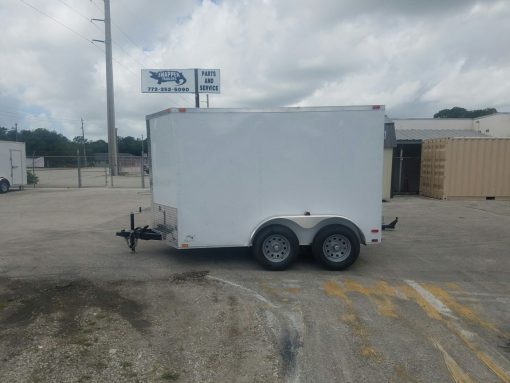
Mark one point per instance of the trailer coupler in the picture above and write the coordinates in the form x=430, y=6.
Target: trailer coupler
x=391, y=225
x=135, y=233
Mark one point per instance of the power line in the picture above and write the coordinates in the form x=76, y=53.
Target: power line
x=73, y=31
x=25, y=114
x=57, y=21
x=79, y=13
x=95, y=5
x=128, y=38
x=117, y=61
x=127, y=54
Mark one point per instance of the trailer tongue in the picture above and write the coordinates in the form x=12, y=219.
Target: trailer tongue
x=135, y=233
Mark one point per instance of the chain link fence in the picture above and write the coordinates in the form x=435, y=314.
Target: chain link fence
x=81, y=172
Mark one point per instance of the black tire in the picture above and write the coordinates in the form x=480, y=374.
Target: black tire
x=340, y=258
x=285, y=244
x=4, y=186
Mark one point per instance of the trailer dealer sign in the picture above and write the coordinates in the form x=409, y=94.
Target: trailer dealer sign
x=180, y=81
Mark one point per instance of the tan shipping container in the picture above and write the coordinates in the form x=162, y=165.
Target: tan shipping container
x=465, y=168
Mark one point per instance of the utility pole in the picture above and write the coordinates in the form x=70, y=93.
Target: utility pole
x=110, y=105
x=83, y=142
x=16, y=131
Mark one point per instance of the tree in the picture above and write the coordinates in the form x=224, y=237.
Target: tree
x=44, y=142
x=130, y=145
x=3, y=133
x=457, y=112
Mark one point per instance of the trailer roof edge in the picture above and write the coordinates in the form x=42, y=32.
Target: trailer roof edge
x=268, y=110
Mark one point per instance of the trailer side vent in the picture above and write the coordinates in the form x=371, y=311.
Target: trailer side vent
x=165, y=222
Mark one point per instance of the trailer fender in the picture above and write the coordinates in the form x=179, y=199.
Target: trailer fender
x=306, y=226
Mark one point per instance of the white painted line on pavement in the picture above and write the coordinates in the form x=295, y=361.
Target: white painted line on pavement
x=430, y=298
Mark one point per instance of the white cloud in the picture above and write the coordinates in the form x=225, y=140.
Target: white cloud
x=415, y=57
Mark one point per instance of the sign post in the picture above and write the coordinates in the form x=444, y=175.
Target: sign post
x=197, y=96
x=181, y=81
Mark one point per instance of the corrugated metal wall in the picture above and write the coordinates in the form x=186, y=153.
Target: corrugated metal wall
x=465, y=167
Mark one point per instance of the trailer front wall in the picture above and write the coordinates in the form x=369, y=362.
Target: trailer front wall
x=466, y=167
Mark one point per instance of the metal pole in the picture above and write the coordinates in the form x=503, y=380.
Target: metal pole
x=79, y=167
x=141, y=166
x=400, y=168
x=105, y=174
x=110, y=105
x=83, y=142
x=197, y=96
x=111, y=177
x=207, y=97
x=117, y=159
x=33, y=168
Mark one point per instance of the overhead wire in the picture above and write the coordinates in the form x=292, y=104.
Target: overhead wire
x=79, y=14
x=25, y=114
x=81, y=36
x=57, y=21
x=93, y=2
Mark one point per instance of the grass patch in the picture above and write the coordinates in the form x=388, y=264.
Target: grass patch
x=125, y=364
x=3, y=304
x=170, y=376
x=81, y=340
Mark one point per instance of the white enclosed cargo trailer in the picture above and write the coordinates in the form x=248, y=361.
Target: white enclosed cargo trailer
x=272, y=179
x=13, y=170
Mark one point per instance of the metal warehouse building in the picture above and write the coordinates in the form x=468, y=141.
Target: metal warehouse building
x=411, y=132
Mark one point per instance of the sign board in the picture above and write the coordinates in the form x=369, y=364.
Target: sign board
x=180, y=81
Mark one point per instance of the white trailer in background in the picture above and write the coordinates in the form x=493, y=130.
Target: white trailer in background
x=272, y=179
x=13, y=170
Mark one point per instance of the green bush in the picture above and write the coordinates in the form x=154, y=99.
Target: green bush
x=32, y=178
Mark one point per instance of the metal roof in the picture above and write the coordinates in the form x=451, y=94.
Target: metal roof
x=418, y=135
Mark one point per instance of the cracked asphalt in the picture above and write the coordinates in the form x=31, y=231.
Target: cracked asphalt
x=430, y=304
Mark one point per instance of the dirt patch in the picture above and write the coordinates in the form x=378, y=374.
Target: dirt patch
x=189, y=276
x=31, y=300
x=186, y=330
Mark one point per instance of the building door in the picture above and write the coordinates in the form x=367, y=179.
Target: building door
x=16, y=167
x=406, y=169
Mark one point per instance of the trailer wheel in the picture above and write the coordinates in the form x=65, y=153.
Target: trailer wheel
x=4, y=186
x=275, y=247
x=336, y=247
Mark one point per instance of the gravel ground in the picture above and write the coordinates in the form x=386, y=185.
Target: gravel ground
x=430, y=304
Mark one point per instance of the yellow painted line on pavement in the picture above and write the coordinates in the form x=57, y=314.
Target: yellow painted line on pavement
x=380, y=294
x=412, y=294
x=436, y=302
x=458, y=375
x=458, y=308
x=351, y=318
x=332, y=288
x=482, y=356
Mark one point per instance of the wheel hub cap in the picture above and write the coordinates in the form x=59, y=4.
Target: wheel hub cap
x=336, y=248
x=276, y=248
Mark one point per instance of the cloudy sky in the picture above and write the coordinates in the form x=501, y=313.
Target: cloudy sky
x=414, y=56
